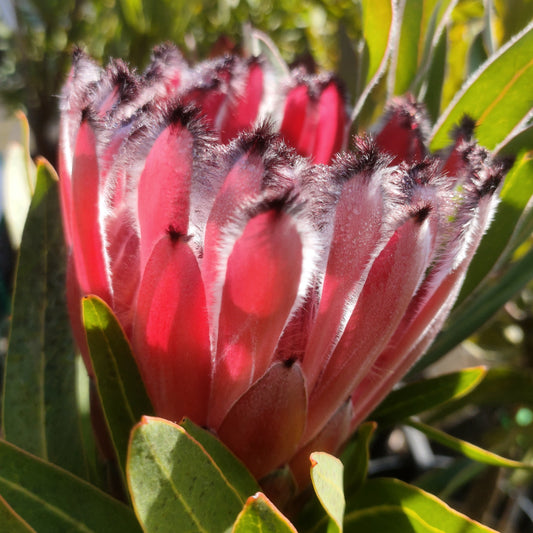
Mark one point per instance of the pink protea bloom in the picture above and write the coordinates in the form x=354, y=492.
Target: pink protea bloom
x=273, y=286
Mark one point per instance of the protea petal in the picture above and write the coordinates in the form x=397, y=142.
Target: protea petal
x=83, y=74
x=264, y=426
x=392, y=282
x=404, y=132
x=167, y=70
x=314, y=118
x=123, y=251
x=242, y=108
x=261, y=285
x=170, y=332
x=169, y=165
x=332, y=124
x=243, y=171
x=359, y=234
x=436, y=296
x=87, y=241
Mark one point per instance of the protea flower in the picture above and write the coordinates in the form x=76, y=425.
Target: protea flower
x=274, y=285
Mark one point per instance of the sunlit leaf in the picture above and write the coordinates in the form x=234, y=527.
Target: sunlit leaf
x=39, y=403
x=51, y=499
x=467, y=449
x=18, y=183
x=327, y=479
x=379, y=19
x=377, y=22
x=427, y=394
x=501, y=386
x=120, y=388
x=436, y=17
x=175, y=484
x=237, y=474
x=395, y=507
x=493, y=96
x=260, y=515
x=405, y=55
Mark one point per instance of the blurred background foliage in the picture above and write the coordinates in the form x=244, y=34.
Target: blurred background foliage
x=36, y=41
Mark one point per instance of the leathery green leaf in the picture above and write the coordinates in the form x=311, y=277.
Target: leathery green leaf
x=11, y=521
x=261, y=515
x=501, y=386
x=327, y=479
x=175, y=484
x=395, y=507
x=493, y=95
x=377, y=22
x=435, y=77
x=355, y=458
x=379, y=19
x=467, y=449
x=237, y=474
x=39, y=403
x=51, y=499
x=404, y=60
x=427, y=394
x=120, y=388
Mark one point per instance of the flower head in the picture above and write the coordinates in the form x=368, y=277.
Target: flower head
x=274, y=287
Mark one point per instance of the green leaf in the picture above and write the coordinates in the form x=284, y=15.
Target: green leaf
x=446, y=481
x=436, y=17
x=39, y=403
x=467, y=449
x=420, y=42
x=18, y=183
x=520, y=139
x=120, y=387
x=378, y=19
x=175, y=484
x=260, y=515
x=406, y=54
x=476, y=311
x=355, y=458
x=238, y=475
x=501, y=386
x=435, y=77
x=493, y=96
x=51, y=499
x=516, y=192
x=477, y=54
x=326, y=476
x=377, y=29
x=395, y=507
x=11, y=521
x=423, y=395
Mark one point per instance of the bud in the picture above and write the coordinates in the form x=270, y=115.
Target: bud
x=274, y=286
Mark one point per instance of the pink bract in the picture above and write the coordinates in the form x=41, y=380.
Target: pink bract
x=274, y=285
